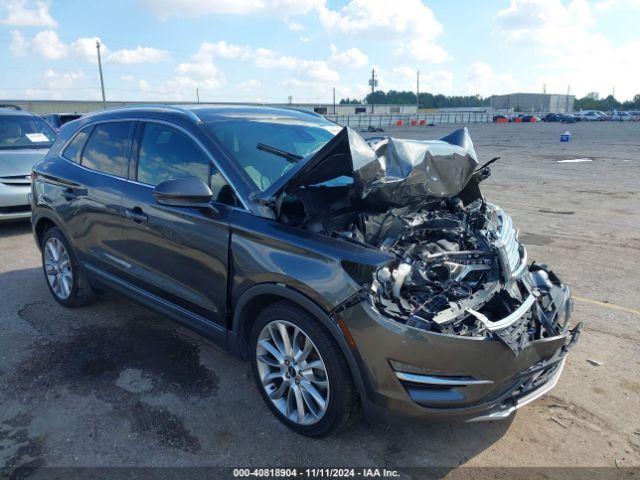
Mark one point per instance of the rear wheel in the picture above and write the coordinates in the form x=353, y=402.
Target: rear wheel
x=65, y=279
x=301, y=372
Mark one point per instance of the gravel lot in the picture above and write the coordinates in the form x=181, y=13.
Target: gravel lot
x=113, y=384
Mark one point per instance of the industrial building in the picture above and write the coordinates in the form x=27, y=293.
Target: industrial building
x=84, y=106
x=533, y=102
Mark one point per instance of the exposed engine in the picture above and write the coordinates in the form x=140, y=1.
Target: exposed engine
x=458, y=270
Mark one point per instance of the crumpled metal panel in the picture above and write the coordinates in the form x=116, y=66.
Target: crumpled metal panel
x=407, y=170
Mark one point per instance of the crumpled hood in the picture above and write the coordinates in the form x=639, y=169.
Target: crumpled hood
x=392, y=172
x=412, y=169
x=19, y=161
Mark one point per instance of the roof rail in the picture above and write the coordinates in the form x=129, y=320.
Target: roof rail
x=10, y=105
x=175, y=108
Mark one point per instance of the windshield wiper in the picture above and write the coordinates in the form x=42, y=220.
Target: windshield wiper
x=292, y=157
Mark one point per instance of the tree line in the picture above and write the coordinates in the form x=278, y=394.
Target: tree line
x=591, y=101
x=426, y=100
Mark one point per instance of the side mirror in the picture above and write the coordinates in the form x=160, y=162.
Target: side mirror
x=184, y=192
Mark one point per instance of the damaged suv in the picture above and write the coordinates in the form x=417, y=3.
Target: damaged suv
x=349, y=273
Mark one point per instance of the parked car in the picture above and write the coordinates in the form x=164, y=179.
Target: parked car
x=24, y=139
x=567, y=118
x=552, y=117
x=593, y=116
x=347, y=274
x=500, y=118
x=56, y=120
x=622, y=117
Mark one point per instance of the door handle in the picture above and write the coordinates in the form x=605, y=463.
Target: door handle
x=136, y=214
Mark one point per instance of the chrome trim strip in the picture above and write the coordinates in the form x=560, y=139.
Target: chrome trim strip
x=514, y=316
x=431, y=380
x=527, y=399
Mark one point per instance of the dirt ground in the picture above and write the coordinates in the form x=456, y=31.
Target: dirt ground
x=113, y=384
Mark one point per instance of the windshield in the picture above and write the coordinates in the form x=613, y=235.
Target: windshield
x=18, y=131
x=267, y=149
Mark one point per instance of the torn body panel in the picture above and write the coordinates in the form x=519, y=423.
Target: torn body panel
x=455, y=263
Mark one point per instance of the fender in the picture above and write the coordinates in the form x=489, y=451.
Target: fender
x=46, y=212
x=236, y=334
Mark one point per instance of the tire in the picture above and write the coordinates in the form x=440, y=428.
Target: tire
x=64, y=276
x=323, y=364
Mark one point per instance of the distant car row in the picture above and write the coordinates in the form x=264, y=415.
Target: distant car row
x=25, y=138
x=587, y=116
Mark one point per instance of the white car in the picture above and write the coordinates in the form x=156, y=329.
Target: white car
x=593, y=116
x=622, y=117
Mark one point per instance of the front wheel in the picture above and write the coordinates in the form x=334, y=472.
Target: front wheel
x=301, y=372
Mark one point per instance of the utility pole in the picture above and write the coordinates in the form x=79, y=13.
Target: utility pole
x=104, y=100
x=334, y=100
x=544, y=88
x=417, y=92
x=374, y=83
x=198, y=94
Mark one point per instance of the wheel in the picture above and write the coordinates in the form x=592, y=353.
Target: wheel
x=301, y=372
x=66, y=280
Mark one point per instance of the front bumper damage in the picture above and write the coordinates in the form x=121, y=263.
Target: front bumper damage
x=417, y=373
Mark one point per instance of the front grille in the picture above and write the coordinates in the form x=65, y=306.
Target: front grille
x=16, y=180
x=512, y=254
x=15, y=209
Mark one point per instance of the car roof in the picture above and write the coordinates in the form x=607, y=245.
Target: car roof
x=16, y=112
x=208, y=113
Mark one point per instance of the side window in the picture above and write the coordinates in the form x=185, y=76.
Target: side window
x=107, y=148
x=74, y=149
x=166, y=154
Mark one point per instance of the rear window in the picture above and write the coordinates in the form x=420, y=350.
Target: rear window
x=107, y=149
x=74, y=149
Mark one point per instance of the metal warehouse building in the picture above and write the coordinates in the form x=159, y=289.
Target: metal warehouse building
x=533, y=102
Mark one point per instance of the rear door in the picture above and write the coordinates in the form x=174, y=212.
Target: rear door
x=177, y=253
x=89, y=195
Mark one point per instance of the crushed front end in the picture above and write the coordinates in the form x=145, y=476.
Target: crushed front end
x=457, y=324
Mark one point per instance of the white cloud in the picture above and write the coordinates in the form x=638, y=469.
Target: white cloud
x=249, y=86
x=19, y=46
x=48, y=45
x=23, y=13
x=127, y=78
x=165, y=9
x=56, y=85
x=199, y=72
x=404, y=78
x=409, y=22
x=350, y=58
x=85, y=48
x=295, y=26
x=483, y=80
x=226, y=50
x=574, y=52
x=304, y=39
x=138, y=55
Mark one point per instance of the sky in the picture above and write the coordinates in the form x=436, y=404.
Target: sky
x=269, y=50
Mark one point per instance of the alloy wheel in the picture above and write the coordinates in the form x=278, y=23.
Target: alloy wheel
x=292, y=372
x=57, y=267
